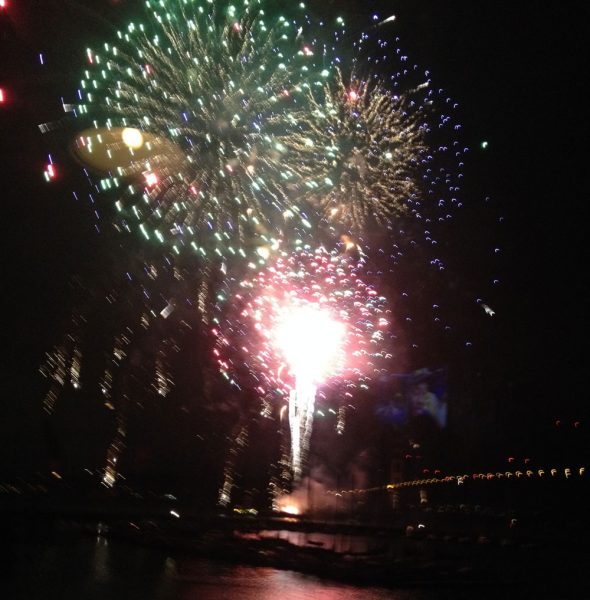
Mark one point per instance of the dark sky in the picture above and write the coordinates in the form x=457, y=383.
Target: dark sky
x=516, y=68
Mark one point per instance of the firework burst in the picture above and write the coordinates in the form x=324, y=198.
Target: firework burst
x=307, y=320
x=187, y=112
x=358, y=149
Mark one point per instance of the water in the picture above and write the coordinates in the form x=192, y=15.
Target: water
x=80, y=568
x=71, y=566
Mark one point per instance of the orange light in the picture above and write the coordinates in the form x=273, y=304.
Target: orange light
x=290, y=509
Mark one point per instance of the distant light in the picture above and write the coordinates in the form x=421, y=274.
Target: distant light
x=353, y=96
x=2, y=95
x=484, y=145
x=132, y=138
x=3, y=4
x=175, y=514
x=40, y=55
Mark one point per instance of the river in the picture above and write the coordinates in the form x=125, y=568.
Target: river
x=82, y=567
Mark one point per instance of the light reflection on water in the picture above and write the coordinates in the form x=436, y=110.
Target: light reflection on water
x=204, y=580
x=70, y=567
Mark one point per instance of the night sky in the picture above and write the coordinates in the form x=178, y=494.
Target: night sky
x=517, y=70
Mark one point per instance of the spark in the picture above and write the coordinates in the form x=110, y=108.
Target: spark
x=488, y=310
x=388, y=20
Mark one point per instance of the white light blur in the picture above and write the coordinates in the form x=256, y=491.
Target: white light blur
x=132, y=138
x=311, y=341
x=388, y=20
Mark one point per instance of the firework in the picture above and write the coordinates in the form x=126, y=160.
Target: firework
x=186, y=113
x=358, y=148
x=228, y=133
x=305, y=321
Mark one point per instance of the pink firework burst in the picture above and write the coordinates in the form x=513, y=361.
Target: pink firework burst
x=303, y=322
